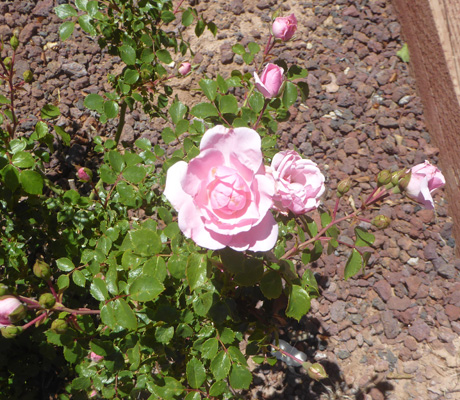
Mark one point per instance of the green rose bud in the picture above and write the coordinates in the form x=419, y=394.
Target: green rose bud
x=14, y=42
x=384, y=178
x=18, y=314
x=316, y=372
x=10, y=332
x=42, y=270
x=59, y=326
x=145, y=74
x=404, y=182
x=396, y=176
x=3, y=289
x=7, y=62
x=381, y=222
x=28, y=76
x=343, y=187
x=47, y=300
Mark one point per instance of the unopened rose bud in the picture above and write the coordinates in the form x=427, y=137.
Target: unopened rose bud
x=47, y=300
x=10, y=332
x=42, y=270
x=28, y=76
x=284, y=27
x=343, y=187
x=85, y=174
x=7, y=62
x=95, y=357
x=317, y=372
x=11, y=310
x=59, y=326
x=381, y=222
x=3, y=289
x=404, y=182
x=271, y=80
x=396, y=176
x=93, y=394
x=384, y=177
x=185, y=68
x=145, y=74
x=14, y=42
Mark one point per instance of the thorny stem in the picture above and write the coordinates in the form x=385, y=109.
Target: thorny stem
x=50, y=285
x=34, y=321
x=260, y=115
x=121, y=122
x=284, y=352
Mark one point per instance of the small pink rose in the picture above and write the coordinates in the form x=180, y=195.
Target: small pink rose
x=284, y=27
x=299, y=183
x=223, y=196
x=425, y=179
x=185, y=68
x=84, y=174
x=269, y=83
x=8, y=305
x=94, y=357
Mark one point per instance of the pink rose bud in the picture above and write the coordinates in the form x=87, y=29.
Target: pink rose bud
x=95, y=358
x=85, y=174
x=284, y=27
x=424, y=180
x=11, y=310
x=269, y=83
x=185, y=68
x=299, y=183
x=223, y=196
x=93, y=394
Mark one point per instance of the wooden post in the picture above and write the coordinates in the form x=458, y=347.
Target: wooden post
x=431, y=29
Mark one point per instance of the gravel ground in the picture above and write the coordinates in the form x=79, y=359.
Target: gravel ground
x=392, y=333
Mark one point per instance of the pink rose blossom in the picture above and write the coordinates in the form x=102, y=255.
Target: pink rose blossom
x=269, y=83
x=94, y=357
x=284, y=27
x=223, y=196
x=84, y=174
x=299, y=183
x=185, y=68
x=8, y=305
x=425, y=179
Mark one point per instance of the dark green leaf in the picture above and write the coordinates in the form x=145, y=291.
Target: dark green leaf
x=125, y=316
x=111, y=109
x=196, y=374
x=63, y=134
x=11, y=177
x=204, y=110
x=240, y=377
x=271, y=285
x=98, y=289
x=227, y=336
x=167, y=16
x=187, y=17
x=164, y=334
x=164, y=56
x=289, y=94
x=94, y=102
x=134, y=174
x=196, y=270
x=299, y=303
x=238, y=49
x=220, y=365
x=49, y=111
x=32, y=182
x=116, y=160
x=145, y=288
x=23, y=159
x=363, y=238
x=64, y=264
x=65, y=11
x=200, y=27
x=209, y=348
x=228, y=104
x=127, y=54
x=86, y=24
x=256, y=101
x=304, y=90
x=209, y=88
x=295, y=72
x=353, y=265
x=218, y=388
x=131, y=76
x=177, y=111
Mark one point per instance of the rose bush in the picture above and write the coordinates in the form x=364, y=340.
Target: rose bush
x=223, y=196
x=298, y=183
x=424, y=180
x=11, y=310
x=284, y=27
x=270, y=81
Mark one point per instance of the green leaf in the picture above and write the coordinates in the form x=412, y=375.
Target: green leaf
x=145, y=288
x=182, y=126
x=31, y=181
x=23, y=159
x=125, y=316
x=144, y=242
x=200, y=27
x=304, y=90
x=289, y=94
x=363, y=238
x=253, y=47
x=250, y=272
x=81, y=4
x=164, y=56
x=134, y=174
x=299, y=303
x=127, y=54
x=177, y=111
x=41, y=129
x=168, y=135
x=240, y=377
x=209, y=348
x=111, y=108
x=164, y=334
x=218, y=388
x=237, y=356
x=66, y=29
x=295, y=72
x=256, y=101
x=130, y=76
x=227, y=336
x=196, y=374
x=238, y=49
x=209, y=88
x=196, y=270
x=116, y=160
x=78, y=278
x=49, y=111
x=65, y=11
x=63, y=282
x=167, y=16
x=94, y=102
x=222, y=84
x=86, y=25
x=353, y=265
x=204, y=110
x=187, y=17
x=63, y=134
x=271, y=284
x=143, y=144
x=64, y=264
x=4, y=100
x=309, y=282
x=98, y=289
x=107, y=175
x=220, y=365
x=228, y=104
x=403, y=53
x=11, y=177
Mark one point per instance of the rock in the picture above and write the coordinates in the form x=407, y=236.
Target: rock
x=445, y=270
x=390, y=325
x=413, y=283
x=351, y=145
x=74, y=69
x=43, y=8
x=337, y=311
x=430, y=250
x=453, y=312
x=419, y=330
x=397, y=304
x=383, y=289
x=387, y=122
x=226, y=54
x=28, y=31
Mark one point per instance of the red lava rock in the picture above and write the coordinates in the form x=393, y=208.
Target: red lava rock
x=399, y=304
x=383, y=289
x=28, y=31
x=350, y=11
x=413, y=283
x=419, y=330
x=453, y=312
x=390, y=325
x=376, y=394
x=408, y=316
x=410, y=343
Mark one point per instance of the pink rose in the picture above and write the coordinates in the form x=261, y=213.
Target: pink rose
x=94, y=357
x=269, y=83
x=223, y=196
x=84, y=174
x=425, y=179
x=185, y=68
x=299, y=183
x=284, y=27
x=9, y=305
